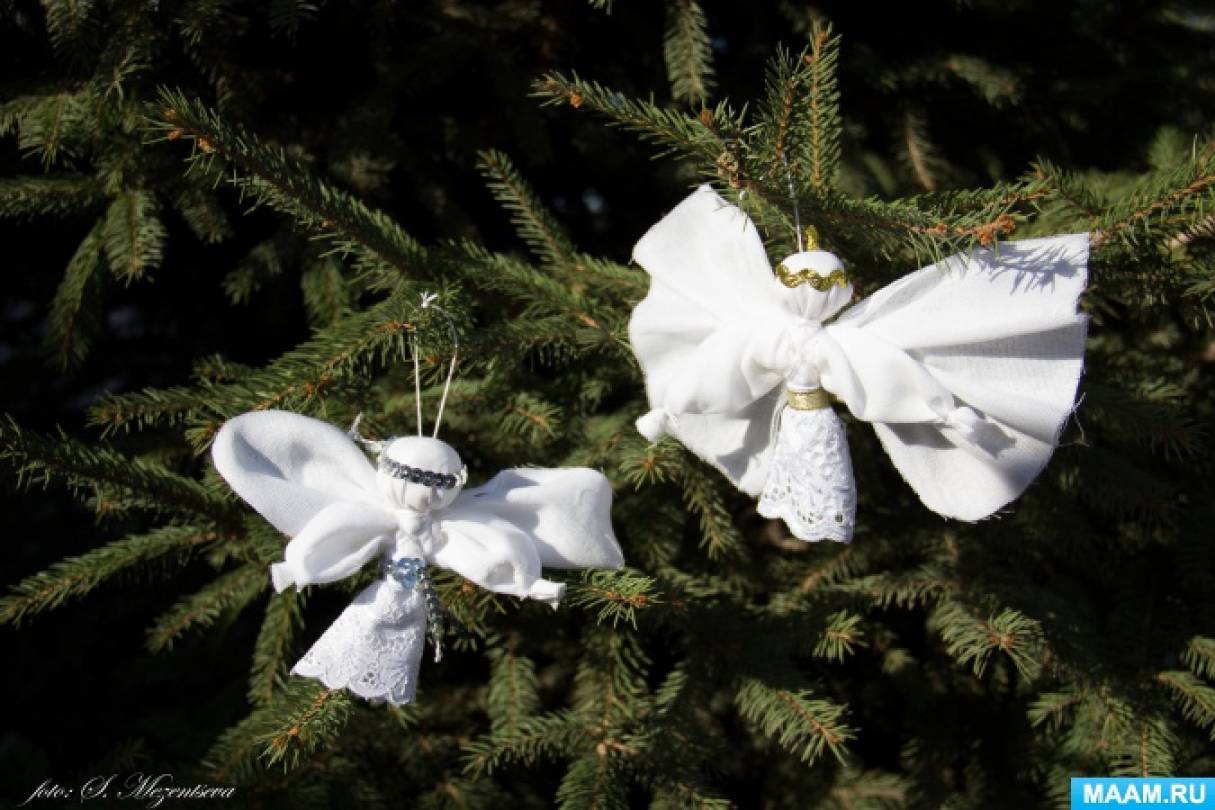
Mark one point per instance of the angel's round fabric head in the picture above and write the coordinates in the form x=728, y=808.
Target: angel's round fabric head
x=812, y=284
x=420, y=473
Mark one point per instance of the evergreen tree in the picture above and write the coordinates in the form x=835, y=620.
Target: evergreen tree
x=927, y=664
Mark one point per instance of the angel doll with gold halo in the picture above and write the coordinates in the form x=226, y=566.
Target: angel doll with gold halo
x=967, y=369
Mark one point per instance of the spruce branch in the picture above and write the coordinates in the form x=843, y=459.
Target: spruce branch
x=804, y=726
x=268, y=176
x=288, y=16
x=615, y=595
x=1068, y=189
x=531, y=418
x=643, y=464
x=283, y=618
x=132, y=235
x=1146, y=751
x=201, y=210
x=855, y=789
x=1157, y=415
x=921, y=155
x=998, y=87
x=240, y=755
x=535, y=224
x=1199, y=656
x=972, y=639
x=783, y=121
x=1051, y=709
x=701, y=494
x=839, y=637
x=807, y=585
x=233, y=756
x=597, y=781
x=544, y=737
x=1128, y=739
x=610, y=677
x=143, y=409
x=841, y=563
x=515, y=339
x=822, y=150
x=513, y=688
x=916, y=587
x=471, y=606
x=926, y=232
x=75, y=577
x=540, y=290
x=1120, y=485
x=351, y=348
x=72, y=322
x=327, y=296
x=676, y=132
x=218, y=369
x=262, y=263
x=687, y=52
x=580, y=303
x=50, y=126
x=1184, y=191
x=306, y=717
x=309, y=725
x=14, y=110
x=40, y=460
x=671, y=794
x=1195, y=697
x=229, y=593
x=67, y=21
x=353, y=345
x=28, y=197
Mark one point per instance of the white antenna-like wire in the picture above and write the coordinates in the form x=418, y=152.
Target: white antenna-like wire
x=428, y=302
x=797, y=217
x=417, y=378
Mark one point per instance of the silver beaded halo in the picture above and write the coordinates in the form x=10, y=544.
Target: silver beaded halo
x=417, y=475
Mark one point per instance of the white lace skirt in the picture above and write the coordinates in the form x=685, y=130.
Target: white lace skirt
x=374, y=649
x=810, y=484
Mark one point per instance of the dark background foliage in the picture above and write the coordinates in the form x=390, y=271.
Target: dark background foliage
x=392, y=102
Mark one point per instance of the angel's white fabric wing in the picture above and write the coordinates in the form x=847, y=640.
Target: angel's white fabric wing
x=500, y=534
x=566, y=511
x=289, y=467
x=999, y=331
x=338, y=541
x=311, y=482
x=710, y=291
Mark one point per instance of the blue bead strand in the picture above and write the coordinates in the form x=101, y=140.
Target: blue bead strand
x=411, y=572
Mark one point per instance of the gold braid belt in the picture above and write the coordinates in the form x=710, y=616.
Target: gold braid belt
x=811, y=400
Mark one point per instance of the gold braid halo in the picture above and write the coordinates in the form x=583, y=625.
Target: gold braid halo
x=791, y=279
x=836, y=278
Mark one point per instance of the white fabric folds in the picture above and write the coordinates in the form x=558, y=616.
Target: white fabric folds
x=313, y=483
x=967, y=369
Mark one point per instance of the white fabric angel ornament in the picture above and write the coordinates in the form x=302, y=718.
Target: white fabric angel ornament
x=313, y=482
x=967, y=369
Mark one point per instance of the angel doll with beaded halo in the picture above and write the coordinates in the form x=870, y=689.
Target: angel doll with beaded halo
x=967, y=369
x=409, y=511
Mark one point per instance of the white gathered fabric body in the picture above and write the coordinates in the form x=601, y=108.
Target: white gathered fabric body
x=313, y=483
x=967, y=369
x=810, y=484
x=374, y=649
